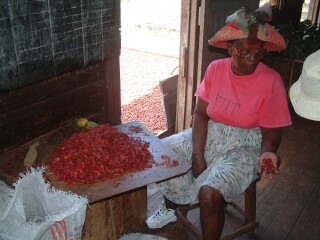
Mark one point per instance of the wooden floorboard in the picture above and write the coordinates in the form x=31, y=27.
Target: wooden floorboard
x=288, y=207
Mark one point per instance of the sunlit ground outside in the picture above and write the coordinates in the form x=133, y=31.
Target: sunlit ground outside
x=150, y=39
x=151, y=26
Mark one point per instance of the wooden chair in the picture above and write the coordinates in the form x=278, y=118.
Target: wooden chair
x=249, y=214
x=168, y=89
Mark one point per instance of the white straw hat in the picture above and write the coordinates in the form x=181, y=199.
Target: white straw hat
x=305, y=93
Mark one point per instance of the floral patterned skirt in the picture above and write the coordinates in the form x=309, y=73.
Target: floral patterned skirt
x=232, y=156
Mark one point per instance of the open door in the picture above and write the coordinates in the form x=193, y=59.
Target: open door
x=200, y=20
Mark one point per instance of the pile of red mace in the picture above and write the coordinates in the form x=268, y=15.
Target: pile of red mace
x=97, y=154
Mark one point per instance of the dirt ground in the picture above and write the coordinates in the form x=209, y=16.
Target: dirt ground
x=140, y=92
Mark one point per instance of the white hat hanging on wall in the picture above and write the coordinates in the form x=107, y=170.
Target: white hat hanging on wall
x=305, y=93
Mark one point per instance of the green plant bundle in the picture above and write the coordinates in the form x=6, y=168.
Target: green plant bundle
x=301, y=40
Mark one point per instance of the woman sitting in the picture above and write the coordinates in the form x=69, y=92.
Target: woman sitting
x=240, y=110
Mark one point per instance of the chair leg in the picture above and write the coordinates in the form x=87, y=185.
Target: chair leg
x=249, y=213
x=243, y=230
x=250, y=203
x=182, y=213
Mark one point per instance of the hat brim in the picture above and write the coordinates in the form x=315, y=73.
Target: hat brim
x=273, y=40
x=304, y=105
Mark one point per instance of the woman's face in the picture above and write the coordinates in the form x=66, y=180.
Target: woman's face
x=245, y=58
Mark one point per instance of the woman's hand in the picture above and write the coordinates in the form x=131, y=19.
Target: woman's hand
x=269, y=160
x=269, y=164
x=198, y=166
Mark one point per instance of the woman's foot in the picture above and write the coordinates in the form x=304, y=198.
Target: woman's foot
x=161, y=217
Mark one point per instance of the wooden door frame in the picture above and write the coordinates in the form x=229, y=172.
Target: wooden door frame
x=313, y=15
x=188, y=62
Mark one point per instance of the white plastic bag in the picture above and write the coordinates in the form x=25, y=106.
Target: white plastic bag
x=36, y=211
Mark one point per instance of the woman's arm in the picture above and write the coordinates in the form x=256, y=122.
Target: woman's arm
x=271, y=139
x=199, y=137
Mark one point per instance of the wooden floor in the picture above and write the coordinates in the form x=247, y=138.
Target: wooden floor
x=287, y=207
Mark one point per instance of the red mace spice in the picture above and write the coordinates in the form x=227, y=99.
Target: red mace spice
x=268, y=165
x=97, y=154
x=135, y=129
x=168, y=162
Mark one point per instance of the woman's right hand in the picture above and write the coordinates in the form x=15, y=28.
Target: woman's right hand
x=198, y=166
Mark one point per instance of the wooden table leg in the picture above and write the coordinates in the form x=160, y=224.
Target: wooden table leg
x=112, y=218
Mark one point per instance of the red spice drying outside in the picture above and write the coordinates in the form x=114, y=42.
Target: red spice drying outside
x=97, y=154
x=268, y=165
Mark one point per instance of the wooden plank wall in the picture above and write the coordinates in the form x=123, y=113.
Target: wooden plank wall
x=189, y=34
x=43, y=39
x=82, y=79
x=31, y=111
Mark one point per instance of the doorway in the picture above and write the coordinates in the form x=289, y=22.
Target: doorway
x=150, y=38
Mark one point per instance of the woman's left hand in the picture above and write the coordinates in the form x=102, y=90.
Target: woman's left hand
x=269, y=164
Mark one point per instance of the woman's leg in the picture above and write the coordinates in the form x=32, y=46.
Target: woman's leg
x=211, y=212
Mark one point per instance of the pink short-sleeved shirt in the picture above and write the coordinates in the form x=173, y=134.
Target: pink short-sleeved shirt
x=256, y=100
